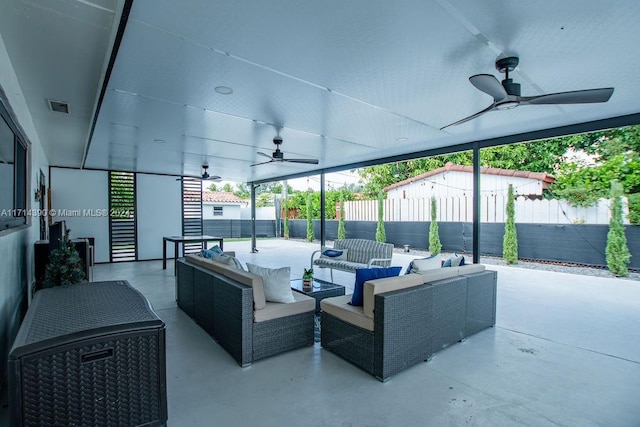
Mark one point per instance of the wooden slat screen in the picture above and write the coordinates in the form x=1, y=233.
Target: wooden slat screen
x=123, y=241
x=192, y=212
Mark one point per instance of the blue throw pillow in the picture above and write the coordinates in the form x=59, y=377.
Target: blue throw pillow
x=207, y=253
x=365, y=274
x=332, y=253
x=216, y=249
x=454, y=261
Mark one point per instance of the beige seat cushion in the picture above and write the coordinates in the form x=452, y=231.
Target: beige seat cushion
x=340, y=308
x=246, y=278
x=378, y=286
x=276, y=310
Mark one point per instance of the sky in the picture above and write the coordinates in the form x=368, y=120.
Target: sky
x=332, y=180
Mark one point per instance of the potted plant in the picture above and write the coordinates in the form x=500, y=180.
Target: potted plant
x=65, y=266
x=307, y=278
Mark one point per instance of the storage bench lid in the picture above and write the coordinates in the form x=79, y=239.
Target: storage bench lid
x=62, y=314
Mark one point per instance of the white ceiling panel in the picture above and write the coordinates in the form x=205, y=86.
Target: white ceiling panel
x=343, y=82
x=57, y=49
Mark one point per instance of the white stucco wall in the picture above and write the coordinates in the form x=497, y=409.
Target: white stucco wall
x=456, y=183
x=229, y=210
x=79, y=197
x=265, y=213
x=159, y=211
x=16, y=245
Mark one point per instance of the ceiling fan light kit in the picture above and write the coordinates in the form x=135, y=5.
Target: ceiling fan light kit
x=506, y=94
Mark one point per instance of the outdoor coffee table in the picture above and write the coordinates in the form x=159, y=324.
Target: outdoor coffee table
x=321, y=290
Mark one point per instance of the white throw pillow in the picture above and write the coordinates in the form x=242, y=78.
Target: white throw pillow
x=235, y=263
x=277, y=282
x=426, y=263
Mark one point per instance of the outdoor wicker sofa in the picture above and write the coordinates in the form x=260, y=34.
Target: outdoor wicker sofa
x=405, y=319
x=361, y=253
x=229, y=304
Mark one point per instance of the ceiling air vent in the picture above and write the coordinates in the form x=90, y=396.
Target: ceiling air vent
x=58, y=106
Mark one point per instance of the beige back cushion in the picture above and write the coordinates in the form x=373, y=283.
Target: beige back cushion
x=246, y=278
x=386, y=284
x=447, y=272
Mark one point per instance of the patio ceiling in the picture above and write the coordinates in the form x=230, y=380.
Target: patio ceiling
x=344, y=82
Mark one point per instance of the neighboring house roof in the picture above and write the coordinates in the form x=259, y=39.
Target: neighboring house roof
x=221, y=196
x=538, y=176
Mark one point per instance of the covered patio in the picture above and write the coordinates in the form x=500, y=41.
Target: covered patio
x=169, y=92
x=564, y=351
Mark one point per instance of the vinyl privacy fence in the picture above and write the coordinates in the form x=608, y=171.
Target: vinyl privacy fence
x=492, y=209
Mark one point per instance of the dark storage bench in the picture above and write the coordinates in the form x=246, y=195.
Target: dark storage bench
x=89, y=354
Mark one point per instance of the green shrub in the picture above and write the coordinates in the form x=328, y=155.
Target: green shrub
x=310, y=236
x=381, y=236
x=65, y=266
x=510, y=240
x=285, y=232
x=434, y=234
x=342, y=233
x=634, y=208
x=617, y=252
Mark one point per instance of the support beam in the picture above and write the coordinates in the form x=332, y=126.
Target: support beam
x=322, y=211
x=254, y=249
x=476, y=203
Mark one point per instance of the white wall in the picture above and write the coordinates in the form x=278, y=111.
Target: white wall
x=88, y=192
x=456, y=183
x=265, y=213
x=159, y=213
x=229, y=211
x=16, y=245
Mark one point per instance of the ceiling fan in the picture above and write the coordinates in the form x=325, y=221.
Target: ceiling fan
x=205, y=175
x=278, y=156
x=506, y=95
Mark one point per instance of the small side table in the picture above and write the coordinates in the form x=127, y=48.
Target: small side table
x=321, y=290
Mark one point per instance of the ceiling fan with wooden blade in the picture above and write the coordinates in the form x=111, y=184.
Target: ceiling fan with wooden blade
x=278, y=156
x=506, y=94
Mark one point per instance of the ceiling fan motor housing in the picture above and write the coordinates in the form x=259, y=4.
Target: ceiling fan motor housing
x=511, y=87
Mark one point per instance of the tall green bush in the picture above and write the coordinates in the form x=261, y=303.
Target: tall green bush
x=617, y=252
x=285, y=232
x=381, y=236
x=342, y=233
x=634, y=208
x=510, y=240
x=434, y=233
x=310, y=236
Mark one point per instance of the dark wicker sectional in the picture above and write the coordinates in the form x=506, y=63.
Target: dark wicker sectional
x=413, y=323
x=224, y=309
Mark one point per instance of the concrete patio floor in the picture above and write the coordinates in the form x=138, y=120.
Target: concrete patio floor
x=565, y=351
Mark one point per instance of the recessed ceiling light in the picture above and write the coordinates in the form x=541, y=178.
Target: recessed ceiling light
x=402, y=139
x=224, y=90
x=159, y=141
